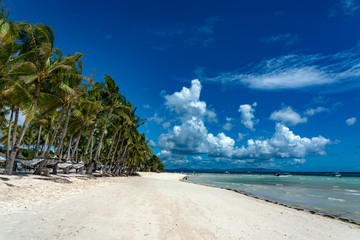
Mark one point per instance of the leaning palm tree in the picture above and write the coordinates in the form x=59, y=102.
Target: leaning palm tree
x=63, y=91
x=38, y=81
x=41, y=66
x=111, y=101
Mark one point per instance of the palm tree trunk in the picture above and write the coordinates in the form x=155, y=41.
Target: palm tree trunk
x=68, y=152
x=63, y=135
x=10, y=163
x=38, y=142
x=52, y=140
x=76, y=156
x=9, y=134
x=77, y=141
x=123, y=156
x=135, y=167
x=110, y=150
x=116, y=147
x=13, y=139
x=117, y=162
x=123, y=164
x=98, y=150
x=91, y=148
x=88, y=143
x=97, y=153
x=46, y=142
x=15, y=127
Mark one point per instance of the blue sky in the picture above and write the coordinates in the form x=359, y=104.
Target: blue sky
x=225, y=84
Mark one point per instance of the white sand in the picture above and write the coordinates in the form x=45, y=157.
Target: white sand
x=155, y=206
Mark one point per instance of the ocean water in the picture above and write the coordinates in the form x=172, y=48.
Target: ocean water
x=326, y=194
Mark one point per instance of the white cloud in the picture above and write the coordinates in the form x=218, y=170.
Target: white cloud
x=299, y=161
x=313, y=111
x=211, y=116
x=247, y=114
x=146, y=106
x=299, y=71
x=351, y=121
x=192, y=138
x=166, y=125
x=284, y=144
x=227, y=126
x=187, y=140
x=349, y=7
x=288, y=115
x=186, y=103
x=240, y=137
x=152, y=143
x=156, y=119
x=171, y=159
x=288, y=38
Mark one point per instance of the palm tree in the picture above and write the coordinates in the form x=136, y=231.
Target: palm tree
x=111, y=101
x=38, y=81
x=63, y=94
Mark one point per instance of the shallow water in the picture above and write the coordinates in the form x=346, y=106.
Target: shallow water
x=326, y=194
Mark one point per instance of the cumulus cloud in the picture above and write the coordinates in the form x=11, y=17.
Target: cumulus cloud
x=284, y=144
x=351, y=121
x=287, y=115
x=313, y=111
x=193, y=138
x=298, y=71
x=299, y=161
x=186, y=103
x=247, y=115
x=171, y=159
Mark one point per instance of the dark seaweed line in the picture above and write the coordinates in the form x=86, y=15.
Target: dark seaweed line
x=332, y=216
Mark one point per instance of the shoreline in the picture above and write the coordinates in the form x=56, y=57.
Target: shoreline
x=314, y=212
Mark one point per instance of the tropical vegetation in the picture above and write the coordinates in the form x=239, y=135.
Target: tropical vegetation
x=68, y=115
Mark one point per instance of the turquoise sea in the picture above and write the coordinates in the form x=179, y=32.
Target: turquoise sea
x=318, y=192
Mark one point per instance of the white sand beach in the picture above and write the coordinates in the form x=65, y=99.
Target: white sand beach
x=154, y=206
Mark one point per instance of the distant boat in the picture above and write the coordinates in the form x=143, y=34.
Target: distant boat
x=336, y=174
x=226, y=172
x=282, y=175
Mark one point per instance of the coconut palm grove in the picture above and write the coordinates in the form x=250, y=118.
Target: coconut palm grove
x=71, y=119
